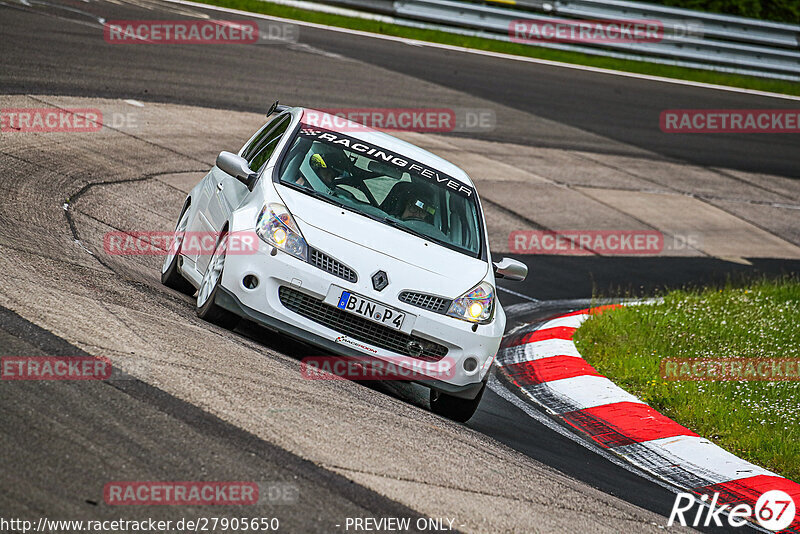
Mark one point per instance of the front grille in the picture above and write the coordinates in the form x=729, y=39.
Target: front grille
x=358, y=327
x=335, y=267
x=426, y=302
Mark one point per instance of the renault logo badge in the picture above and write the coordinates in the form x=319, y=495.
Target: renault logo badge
x=380, y=280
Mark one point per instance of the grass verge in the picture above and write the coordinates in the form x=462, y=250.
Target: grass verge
x=756, y=420
x=492, y=45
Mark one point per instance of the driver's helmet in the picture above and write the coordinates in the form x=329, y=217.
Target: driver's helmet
x=317, y=162
x=327, y=157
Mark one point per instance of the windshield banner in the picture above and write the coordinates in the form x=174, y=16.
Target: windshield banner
x=392, y=158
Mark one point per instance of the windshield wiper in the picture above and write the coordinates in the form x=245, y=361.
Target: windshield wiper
x=399, y=225
x=314, y=193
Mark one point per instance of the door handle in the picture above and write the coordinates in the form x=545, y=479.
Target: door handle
x=220, y=186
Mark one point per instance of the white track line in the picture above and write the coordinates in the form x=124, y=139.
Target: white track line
x=541, y=349
x=588, y=391
x=570, y=321
x=498, y=55
x=520, y=295
x=706, y=455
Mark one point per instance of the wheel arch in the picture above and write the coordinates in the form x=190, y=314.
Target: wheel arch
x=186, y=205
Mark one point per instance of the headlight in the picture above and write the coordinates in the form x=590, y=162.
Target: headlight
x=475, y=306
x=276, y=226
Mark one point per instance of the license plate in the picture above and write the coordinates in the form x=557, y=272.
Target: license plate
x=371, y=310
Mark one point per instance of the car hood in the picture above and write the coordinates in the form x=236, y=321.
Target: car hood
x=367, y=246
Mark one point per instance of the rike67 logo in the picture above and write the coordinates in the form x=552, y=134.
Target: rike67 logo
x=774, y=510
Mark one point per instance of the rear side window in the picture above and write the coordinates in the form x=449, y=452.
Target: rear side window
x=260, y=150
x=249, y=151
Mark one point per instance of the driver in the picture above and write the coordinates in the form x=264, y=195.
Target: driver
x=328, y=175
x=418, y=207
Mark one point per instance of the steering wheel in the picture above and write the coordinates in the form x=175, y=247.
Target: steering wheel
x=340, y=191
x=358, y=184
x=417, y=218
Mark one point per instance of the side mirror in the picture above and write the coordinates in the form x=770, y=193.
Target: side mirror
x=237, y=167
x=511, y=270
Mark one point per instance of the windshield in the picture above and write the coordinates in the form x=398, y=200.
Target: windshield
x=385, y=186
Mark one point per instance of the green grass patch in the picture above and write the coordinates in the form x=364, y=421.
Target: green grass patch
x=492, y=45
x=756, y=420
x=772, y=10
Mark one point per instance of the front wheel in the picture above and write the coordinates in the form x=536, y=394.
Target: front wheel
x=455, y=408
x=170, y=275
x=206, y=308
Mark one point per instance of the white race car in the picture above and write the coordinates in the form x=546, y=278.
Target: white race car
x=367, y=247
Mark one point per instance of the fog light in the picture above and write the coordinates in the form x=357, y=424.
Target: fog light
x=470, y=364
x=250, y=281
x=414, y=348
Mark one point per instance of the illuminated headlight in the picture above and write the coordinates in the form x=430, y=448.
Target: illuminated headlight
x=276, y=226
x=475, y=306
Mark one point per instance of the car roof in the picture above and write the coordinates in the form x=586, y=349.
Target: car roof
x=390, y=142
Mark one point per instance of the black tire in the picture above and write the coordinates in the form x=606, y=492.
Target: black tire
x=455, y=408
x=209, y=310
x=173, y=279
x=171, y=276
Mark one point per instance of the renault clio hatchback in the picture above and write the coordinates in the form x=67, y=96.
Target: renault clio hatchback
x=367, y=246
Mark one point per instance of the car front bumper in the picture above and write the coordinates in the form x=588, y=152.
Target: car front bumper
x=263, y=305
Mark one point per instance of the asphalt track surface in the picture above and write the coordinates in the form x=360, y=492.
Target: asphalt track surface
x=62, y=61
x=72, y=436
x=76, y=436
